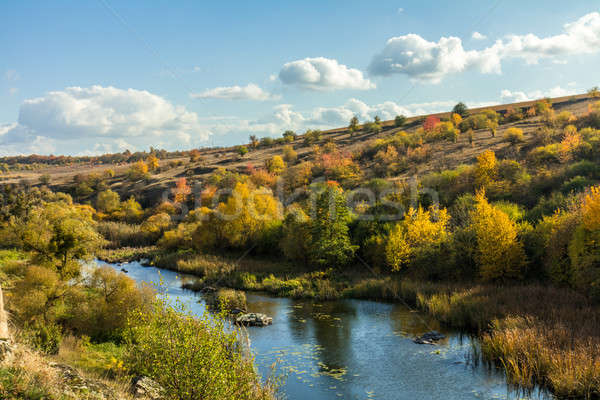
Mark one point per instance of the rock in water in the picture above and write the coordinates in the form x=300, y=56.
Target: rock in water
x=253, y=319
x=429, y=338
x=143, y=387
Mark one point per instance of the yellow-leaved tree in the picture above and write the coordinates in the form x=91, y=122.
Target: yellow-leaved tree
x=418, y=232
x=584, y=248
x=486, y=168
x=500, y=256
x=246, y=215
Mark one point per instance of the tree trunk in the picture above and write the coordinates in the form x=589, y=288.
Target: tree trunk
x=3, y=319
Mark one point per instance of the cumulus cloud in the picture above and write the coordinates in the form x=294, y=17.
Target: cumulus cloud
x=478, y=36
x=76, y=119
x=248, y=92
x=428, y=61
x=323, y=74
x=519, y=96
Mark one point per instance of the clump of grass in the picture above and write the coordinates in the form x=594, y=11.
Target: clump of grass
x=121, y=234
x=126, y=254
x=227, y=300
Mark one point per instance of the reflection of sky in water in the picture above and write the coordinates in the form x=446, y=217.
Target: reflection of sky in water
x=354, y=349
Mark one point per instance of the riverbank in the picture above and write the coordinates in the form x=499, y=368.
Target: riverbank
x=537, y=334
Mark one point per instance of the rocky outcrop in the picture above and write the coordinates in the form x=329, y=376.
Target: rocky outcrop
x=143, y=387
x=429, y=338
x=76, y=386
x=253, y=319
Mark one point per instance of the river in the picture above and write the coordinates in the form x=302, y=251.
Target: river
x=354, y=349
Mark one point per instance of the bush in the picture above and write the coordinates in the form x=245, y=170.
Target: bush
x=513, y=135
x=192, y=358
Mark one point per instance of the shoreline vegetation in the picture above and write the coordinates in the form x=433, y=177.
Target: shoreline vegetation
x=498, y=235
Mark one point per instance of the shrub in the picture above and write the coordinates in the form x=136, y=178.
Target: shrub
x=190, y=357
x=289, y=154
x=514, y=135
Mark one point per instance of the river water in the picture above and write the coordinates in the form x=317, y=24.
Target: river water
x=353, y=349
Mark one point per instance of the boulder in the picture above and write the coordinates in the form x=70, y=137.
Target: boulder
x=143, y=387
x=429, y=338
x=253, y=319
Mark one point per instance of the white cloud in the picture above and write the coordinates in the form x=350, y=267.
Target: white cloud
x=76, y=119
x=323, y=74
x=432, y=61
x=400, y=10
x=478, y=36
x=249, y=92
x=519, y=96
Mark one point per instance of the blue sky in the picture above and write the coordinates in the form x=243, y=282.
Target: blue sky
x=86, y=77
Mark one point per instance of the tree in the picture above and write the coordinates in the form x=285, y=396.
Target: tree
x=131, y=210
x=594, y=92
x=486, y=168
x=330, y=238
x=430, y=123
x=500, y=255
x=289, y=154
x=377, y=120
x=182, y=190
x=584, y=248
x=461, y=109
x=399, y=121
x=289, y=136
x=242, y=150
x=138, y=170
x=275, y=165
x=108, y=201
x=254, y=141
x=456, y=119
x=296, y=236
x=152, y=162
x=157, y=223
x=60, y=234
x=418, y=232
x=353, y=126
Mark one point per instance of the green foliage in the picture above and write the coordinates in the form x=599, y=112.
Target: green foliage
x=330, y=238
x=108, y=201
x=399, y=121
x=461, y=109
x=192, y=358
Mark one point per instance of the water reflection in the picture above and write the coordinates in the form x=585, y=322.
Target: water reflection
x=355, y=349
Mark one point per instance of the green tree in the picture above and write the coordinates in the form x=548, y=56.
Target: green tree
x=108, y=201
x=353, y=126
x=60, y=234
x=461, y=109
x=399, y=121
x=330, y=238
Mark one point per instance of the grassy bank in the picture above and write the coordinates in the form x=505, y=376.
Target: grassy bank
x=537, y=334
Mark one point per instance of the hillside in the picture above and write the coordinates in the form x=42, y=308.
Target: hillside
x=441, y=154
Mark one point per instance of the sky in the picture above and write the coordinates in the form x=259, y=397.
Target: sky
x=84, y=77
